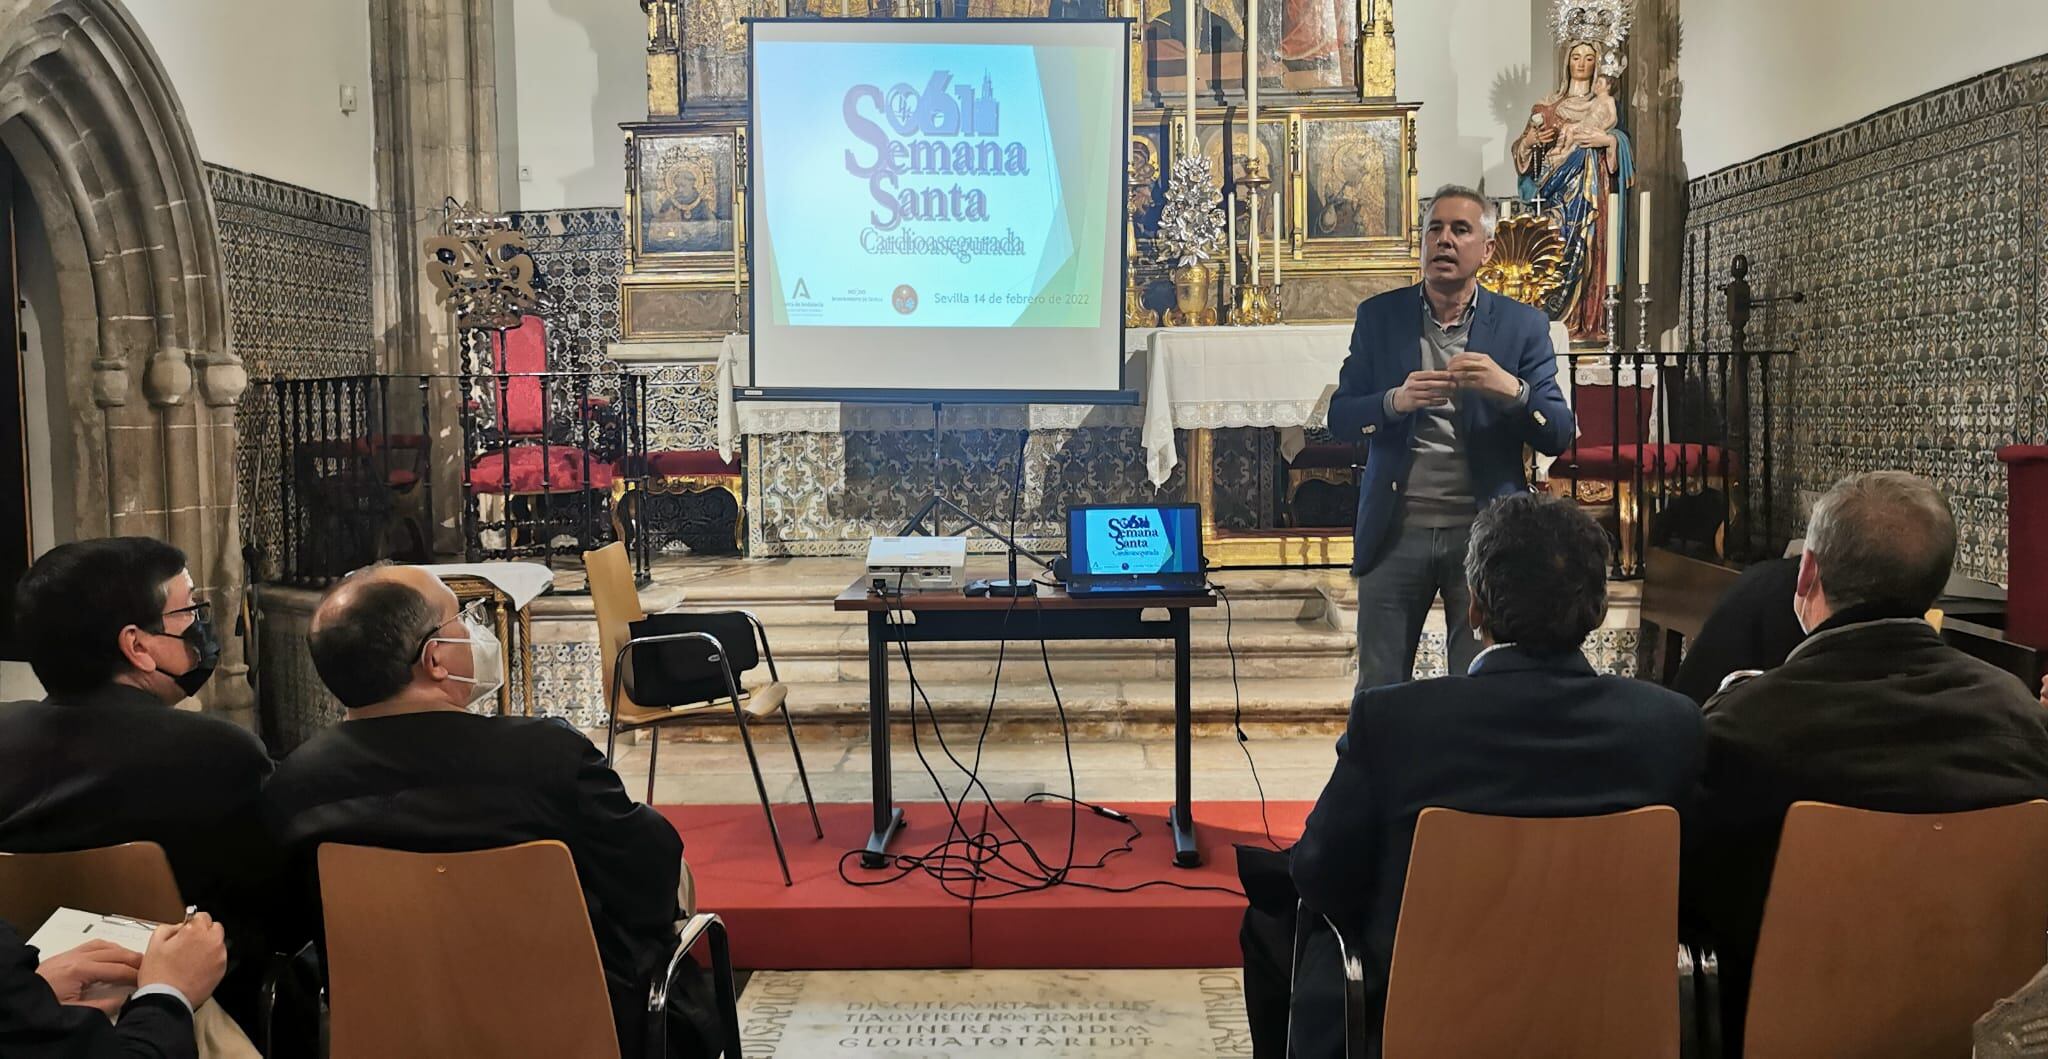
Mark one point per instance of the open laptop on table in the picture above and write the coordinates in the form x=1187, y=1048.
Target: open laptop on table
x=1135, y=550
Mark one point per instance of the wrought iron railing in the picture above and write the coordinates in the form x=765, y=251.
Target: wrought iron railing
x=341, y=478
x=1666, y=451
x=548, y=458
x=344, y=472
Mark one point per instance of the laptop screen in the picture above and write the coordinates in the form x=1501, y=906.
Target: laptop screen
x=1135, y=541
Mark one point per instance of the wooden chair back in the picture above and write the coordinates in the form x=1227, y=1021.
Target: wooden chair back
x=617, y=605
x=444, y=954
x=132, y=879
x=1537, y=938
x=1887, y=935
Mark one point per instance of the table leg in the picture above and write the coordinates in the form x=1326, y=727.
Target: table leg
x=888, y=818
x=1185, y=853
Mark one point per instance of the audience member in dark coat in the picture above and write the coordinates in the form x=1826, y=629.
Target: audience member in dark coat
x=1532, y=731
x=117, y=636
x=1872, y=711
x=45, y=1012
x=1752, y=627
x=412, y=769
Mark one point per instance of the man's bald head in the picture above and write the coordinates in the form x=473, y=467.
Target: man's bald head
x=367, y=633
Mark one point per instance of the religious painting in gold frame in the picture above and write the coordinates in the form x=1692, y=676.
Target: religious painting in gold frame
x=1307, y=49
x=681, y=201
x=1054, y=10
x=1217, y=140
x=1355, y=199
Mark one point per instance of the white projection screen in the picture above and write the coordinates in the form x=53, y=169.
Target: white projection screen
x=936, y=211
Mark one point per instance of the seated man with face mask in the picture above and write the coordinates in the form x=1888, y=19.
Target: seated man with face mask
x=118, y=636
x=411, y=768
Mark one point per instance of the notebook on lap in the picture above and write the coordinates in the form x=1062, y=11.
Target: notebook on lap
x=1135, y=549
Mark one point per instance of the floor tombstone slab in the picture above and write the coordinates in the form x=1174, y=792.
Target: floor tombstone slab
x=950, y=1014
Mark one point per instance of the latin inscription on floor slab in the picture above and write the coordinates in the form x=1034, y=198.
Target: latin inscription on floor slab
x=945, y=1014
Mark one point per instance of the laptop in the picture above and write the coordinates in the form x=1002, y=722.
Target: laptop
x=1135, y=550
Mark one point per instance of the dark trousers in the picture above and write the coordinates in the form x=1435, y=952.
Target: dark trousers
x=1394, y=597
x=1293, y=1011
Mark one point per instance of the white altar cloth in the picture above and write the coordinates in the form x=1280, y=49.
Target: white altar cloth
x=1187, y=378
x=1210, y=377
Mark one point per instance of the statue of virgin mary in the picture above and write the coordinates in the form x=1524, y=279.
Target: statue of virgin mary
x=1569, y=157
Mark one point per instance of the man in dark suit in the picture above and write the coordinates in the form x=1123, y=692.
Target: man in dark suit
x=46, y=1012
x=1872, y=710
x=1445, y=383
x=117, y=636
x=1752, y=627
x=1531, y=731
x=412, y=769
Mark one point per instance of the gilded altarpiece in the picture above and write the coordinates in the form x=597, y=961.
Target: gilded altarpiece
x=1338, y=151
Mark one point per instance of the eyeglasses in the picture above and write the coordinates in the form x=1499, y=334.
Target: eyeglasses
x=197, y=610
x=471, y=613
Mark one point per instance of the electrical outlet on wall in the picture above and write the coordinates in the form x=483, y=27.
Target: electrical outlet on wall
x=348, y=99
x=526, y=174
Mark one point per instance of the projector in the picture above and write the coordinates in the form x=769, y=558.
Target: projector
x=921, y=564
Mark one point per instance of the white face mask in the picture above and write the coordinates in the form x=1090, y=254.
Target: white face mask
x=486, y=661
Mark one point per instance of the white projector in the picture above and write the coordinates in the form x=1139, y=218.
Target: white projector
x=917, y=564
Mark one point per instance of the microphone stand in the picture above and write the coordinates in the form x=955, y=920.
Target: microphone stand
x=1013, y=586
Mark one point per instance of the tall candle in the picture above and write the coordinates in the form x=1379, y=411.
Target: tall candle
x=1193, y=144
x=1251, y=74
x=1230, y=247
x=1643, y=222
x=1614, y=237
x=1276, y=239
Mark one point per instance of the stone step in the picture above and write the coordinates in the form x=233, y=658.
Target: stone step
x=1095, y=709
x=785, y=594
x=1269, y=648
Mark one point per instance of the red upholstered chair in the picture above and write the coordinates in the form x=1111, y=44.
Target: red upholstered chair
x=1614, y=462
x=530, y=450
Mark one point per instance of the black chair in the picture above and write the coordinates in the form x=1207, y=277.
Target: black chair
x=683, y=665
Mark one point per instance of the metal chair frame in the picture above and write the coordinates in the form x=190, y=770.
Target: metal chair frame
x=613, y=727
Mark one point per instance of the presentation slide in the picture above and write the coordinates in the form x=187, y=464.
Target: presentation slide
x=937, y=207
x=1138, y=540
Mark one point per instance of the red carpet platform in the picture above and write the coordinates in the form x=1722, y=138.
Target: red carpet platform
x=825, y=923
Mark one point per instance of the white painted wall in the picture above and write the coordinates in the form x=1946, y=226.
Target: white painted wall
x=578, y=69
x=1476, y=66
x=1763, y=74
x=261, y=84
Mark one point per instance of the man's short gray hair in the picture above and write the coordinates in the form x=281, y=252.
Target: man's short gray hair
x=1882, y=536
x=1489, y=212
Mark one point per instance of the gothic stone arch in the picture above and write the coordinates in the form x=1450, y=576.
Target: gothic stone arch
x=91, y=121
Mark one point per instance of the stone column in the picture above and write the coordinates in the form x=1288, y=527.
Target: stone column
x=434, y=85
x=1654, y=95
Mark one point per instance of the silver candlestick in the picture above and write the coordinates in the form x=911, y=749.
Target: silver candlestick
x=1642, y=317
x=1613, y=319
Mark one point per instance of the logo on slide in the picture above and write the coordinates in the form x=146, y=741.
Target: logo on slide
x=1139, y=543
x=802, y=291
x=904, y=299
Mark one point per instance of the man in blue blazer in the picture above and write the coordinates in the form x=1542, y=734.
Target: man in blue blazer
x=1445, y=384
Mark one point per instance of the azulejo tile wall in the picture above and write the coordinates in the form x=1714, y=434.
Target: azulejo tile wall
x=1918, y=238
x=298, y=285
x=579, y=256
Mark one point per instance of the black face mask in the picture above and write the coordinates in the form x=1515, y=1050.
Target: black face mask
x=205, y=646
